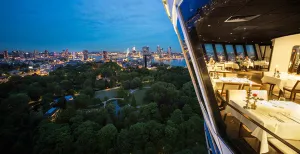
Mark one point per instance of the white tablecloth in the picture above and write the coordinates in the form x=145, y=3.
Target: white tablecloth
x=285, y=80
x=289, y=129
x=218, y=66
x=248, y=64
x=218, y=83
x=232, y=65
x=261, y=63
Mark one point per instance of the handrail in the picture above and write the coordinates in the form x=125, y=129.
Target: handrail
x=265, y=129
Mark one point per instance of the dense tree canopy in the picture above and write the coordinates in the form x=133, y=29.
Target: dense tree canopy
x=170, y=121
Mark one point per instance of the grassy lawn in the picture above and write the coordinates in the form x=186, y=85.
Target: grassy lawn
x=109, y=93
x=139, y=96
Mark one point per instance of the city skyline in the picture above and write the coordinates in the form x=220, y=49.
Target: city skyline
x=85, y=25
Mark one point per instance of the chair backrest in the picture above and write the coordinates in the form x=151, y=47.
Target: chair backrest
x=231, y=75
x=236, y=95
x=254, y=87
x=219, y=68
x=263, y=94
x=297, y=85
x=230, y=86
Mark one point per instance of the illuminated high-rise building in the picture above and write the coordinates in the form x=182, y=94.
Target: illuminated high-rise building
x=133, y=50
x=15, y=53
x=158, y=49
x=145, y=49
x=35, y=54
x=85, y=54
x=67, y=53
x=5, y=54
x=169, y=52
x=105, y=55
x=46, y=53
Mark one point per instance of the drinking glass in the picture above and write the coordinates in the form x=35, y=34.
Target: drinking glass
x=281, y=99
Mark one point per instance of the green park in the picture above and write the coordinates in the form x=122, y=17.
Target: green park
x=158, y=112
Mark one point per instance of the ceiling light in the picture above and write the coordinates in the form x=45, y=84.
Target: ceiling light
x=234, y=39
x=245, y=28
x=252, y=41
x=208, y=25
x=230, y=33
x=219, y=38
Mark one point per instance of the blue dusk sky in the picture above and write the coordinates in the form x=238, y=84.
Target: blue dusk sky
x=95, y=25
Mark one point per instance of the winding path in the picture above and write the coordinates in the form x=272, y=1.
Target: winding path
x=104, y=102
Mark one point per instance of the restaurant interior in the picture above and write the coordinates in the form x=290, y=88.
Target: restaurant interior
x=247, y=53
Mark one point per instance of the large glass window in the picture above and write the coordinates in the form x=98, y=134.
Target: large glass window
x=251, y=52
x=240, y=51
x=230, y=52
x=209, y=51
x=220, y=52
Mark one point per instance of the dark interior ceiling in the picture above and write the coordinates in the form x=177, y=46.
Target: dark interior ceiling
x=277, y=18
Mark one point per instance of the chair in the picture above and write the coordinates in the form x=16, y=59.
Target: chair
x=233, y=95
x=293, y=90
x=254, y=87
x=230, y=74
x=229, y=86
x=271, y=86
x=276, y=144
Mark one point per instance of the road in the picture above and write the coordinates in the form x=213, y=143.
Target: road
x=104, y=102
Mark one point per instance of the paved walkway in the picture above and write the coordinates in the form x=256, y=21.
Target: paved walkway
x=104, y=102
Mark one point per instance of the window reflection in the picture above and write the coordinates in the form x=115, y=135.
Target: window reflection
x=240, y=51
x=251, y=52
x=230, y=52
x=220, y=52
x=209, y=51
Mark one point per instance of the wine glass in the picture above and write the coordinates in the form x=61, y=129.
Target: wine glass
x=281, y=98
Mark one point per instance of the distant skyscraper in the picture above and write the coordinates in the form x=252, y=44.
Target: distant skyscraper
x=158, y=50
x=35, y=54
x=105, y=55
x=5, y=54
x=169, y=52
x=133, y=50
x=46, y=53
x=26, y=55
x=67, y=53
x=74, y=55
x=15, y=53
x=85, y=54
x=145, y=49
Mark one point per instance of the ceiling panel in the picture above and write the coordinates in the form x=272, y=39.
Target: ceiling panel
x=278, y=18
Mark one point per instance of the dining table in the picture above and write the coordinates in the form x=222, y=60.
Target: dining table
x=218, y=66
x=261, y=63
x=218, y=83
x=232, y=65
x=280, y=117
x=283, y=80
